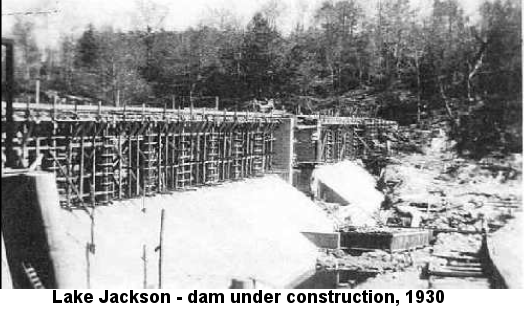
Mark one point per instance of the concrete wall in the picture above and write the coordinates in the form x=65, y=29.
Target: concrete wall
x=249, y=230
x=284, y=149
x=302, y=178
x=305, y=147
x=26, y=231
x=33, y=232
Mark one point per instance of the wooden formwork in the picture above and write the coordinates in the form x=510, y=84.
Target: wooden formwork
x=392, y=241
x=116, y=154
x=339, y=143
x=334, y=139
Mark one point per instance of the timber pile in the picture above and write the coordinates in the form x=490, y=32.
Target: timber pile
x=458, y=260
x=383, y=238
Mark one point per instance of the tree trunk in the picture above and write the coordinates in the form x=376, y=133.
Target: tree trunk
x=417, y=65
x=446, y=102
x=473, y=71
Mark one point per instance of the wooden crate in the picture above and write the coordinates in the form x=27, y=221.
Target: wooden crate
x=393, y=241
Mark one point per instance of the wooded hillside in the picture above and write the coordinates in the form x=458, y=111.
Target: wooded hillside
x=392, y=62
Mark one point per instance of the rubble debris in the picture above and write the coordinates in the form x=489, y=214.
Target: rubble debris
x=374, y=261
x=446, y=242
x=429, y=186
x=451, y=192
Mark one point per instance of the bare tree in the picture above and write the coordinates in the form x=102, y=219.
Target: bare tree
x=150, y=14
x=302, y=8
x=221, y=18
x=28, y=55
x=272, y=11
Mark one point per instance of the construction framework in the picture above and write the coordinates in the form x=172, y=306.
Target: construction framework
x=100, y=154
x=322, y=139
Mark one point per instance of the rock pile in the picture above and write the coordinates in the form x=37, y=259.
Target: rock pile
x=373, y=261
x=454, y=193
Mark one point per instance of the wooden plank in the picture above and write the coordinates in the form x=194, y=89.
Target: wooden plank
x=137, y=165
x=165, y=184
x=129, y=165
x=159, y=159
x=451, y=273
x=93, y=165
x=69, y=167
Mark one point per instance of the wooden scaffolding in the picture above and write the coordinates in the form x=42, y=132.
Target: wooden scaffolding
x=105, y=154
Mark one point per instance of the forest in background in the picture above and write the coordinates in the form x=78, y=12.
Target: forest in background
x=390, y=63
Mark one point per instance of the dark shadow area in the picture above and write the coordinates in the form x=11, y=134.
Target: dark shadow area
x=24, y=232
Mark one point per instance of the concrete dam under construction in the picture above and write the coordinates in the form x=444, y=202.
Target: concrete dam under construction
x=340, y=144
x=139, y=197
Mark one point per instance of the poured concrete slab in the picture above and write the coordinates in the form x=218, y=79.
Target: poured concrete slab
x=350, y=185
x=324, y=240
x=247, y=231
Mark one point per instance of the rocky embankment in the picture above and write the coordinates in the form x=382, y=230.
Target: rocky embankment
x=427, y=185
x=437, y=189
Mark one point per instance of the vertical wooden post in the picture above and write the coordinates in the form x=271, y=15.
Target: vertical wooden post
x=129, y=163
x=144, y=260
x=117, y=103
x=120, y=155
x=204, y=155
x=173, y=158
x=93, y=165
x=319, y=146
x=90, y=246
x=161, y=249
x=166, y=155
x=137, y=164
x=88, y=267
x=93, y=203
x=191, y=101
x=161, y=128
x=37, y=91
x=69, y=164
x=82, y=169
x=37, y=147
x=55, y=101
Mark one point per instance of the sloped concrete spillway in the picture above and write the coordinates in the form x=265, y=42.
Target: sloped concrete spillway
x=248, y=230
x=350, y=185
